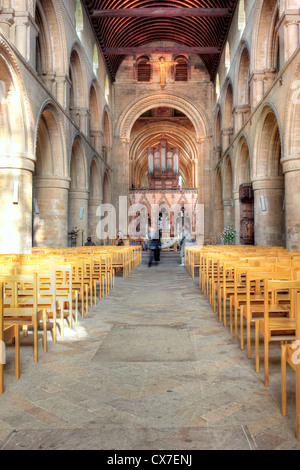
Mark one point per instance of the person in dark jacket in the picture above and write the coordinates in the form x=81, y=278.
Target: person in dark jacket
x=154, y=247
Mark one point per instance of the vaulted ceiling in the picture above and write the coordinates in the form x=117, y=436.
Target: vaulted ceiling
x=126, y=27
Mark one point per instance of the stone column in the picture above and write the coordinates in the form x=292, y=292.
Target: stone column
x=292, y=37
x=268, y=213
x=6, y=19
x=16, y=204
x=25, y=36
x=78, y=206
x=205, y=188
x=257, y=88
x=63, y=85
x=242, y=113
x=291, y=169
x=226, y=137
x=121, y=170
x=237, y=215
x=96, y=140
x=84, y=120
x=93, y=219
x=51, y=195
x=218, y=222
x=49, y=80
x=228, y=212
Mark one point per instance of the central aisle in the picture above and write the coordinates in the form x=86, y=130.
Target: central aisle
x=149, y=368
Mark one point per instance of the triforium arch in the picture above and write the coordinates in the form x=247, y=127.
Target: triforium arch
x=218, y=133
x=50, y=43
x=79, y=99
x=265, y=42
x=95, y=130
x=78, y=192
x=16, y=156
x=51, y=180
x=242, y=100
x=268, y=180
x=107, y=135
x=227, y=123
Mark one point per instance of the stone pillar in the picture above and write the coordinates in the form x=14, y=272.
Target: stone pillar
x=63, y=85
x=51, y=195
x=96, y=140
x=268, y=211
x=49, y=80
x=205, y=188
x=242, y=114
x=16, y=205
x=25, y=36
x=292, y=37
x=291, y=169
x=257, y=88
x=84, y=121
x=121, y=170
x=93, y=219
x=6, y=19
x=226, y=137
x=78, y=206
x=228, y=212
x=237, y=216
x=218, y=222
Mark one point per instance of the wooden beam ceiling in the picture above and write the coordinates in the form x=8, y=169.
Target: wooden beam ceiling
x=131, y=26
x=161, y=12
x=160, y=50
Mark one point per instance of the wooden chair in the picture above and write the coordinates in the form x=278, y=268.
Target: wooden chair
x=65, y=295
x=8, y=332
x=254, y=307
x=290, y=354
x=20, y=306
x=276, y=329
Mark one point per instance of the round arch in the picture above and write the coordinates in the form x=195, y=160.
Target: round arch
x=50, y=181
x=179, y=102
x=16, y=156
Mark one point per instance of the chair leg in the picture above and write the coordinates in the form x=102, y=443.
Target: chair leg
x=35, y=339
x=242, y=326
x=1, y=377
x=17, y=352
x=266, y=352
x=283, y=379
x=257, y=346
x=45, y=329
x=248, y=338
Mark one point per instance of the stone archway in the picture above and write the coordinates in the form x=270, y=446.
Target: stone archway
x=50, y=182
x=268, y=181
x=16, y=157
x=203, y=143
x=78, y=192
x=243, y=194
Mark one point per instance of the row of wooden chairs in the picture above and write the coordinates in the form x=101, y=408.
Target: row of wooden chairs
x=49, y=288
x=256, y=285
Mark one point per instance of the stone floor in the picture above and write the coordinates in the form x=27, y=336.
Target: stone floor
x=149, y=368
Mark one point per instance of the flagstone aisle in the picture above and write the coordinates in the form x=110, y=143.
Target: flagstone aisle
x=149, y=368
